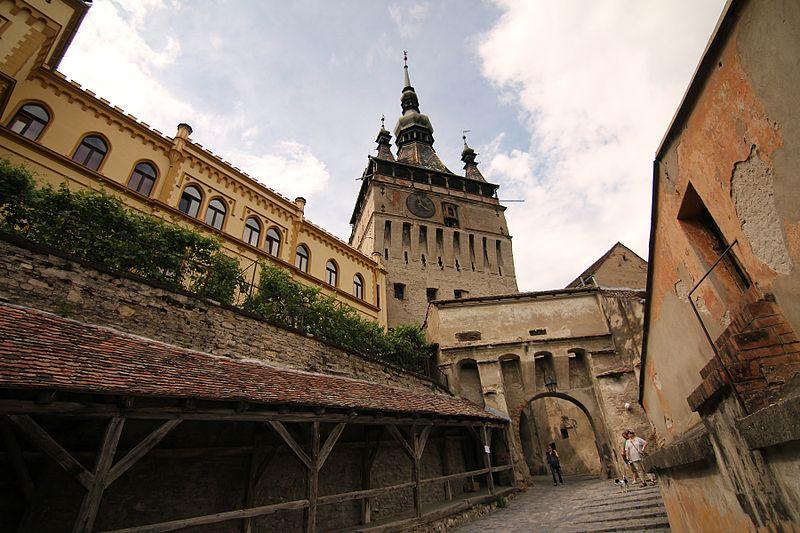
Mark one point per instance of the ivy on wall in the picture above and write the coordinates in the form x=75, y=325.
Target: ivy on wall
x=98, y=227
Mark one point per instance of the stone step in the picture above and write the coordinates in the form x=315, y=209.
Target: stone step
x=629, y=504
x=611, y=516
x=624, y=524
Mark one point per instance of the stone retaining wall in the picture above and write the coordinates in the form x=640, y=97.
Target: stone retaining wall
x=44, y=279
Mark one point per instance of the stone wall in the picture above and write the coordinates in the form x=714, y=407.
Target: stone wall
x=47, y=280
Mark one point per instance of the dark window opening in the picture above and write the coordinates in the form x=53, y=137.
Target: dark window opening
x=564, y=433
x=460, y=293
x=537, y=331
x=400, y=291
x=708, y=241
x=431, y=293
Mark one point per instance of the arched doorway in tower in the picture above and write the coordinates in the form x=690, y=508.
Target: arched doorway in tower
x=561, y=419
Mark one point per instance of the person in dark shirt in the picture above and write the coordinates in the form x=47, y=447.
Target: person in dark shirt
x=554, y=463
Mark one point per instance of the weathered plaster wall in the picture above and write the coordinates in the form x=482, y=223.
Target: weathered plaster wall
x=622, y=269
x=736, y=149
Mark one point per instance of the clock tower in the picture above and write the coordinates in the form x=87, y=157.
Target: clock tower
x=441, y=235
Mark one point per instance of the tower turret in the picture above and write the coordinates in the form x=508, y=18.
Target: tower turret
x=384, y=141
x=470, y=165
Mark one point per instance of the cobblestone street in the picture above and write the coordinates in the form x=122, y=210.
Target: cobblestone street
x=581, y=504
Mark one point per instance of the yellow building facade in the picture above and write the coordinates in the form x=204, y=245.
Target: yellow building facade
x=66, y=134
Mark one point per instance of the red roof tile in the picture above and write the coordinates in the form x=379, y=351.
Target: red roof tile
x=40, y=350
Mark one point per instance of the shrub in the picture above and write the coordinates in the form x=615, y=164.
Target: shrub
x=284, y=301
x=97, y=227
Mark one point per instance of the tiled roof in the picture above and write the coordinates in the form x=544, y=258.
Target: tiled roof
x=40, y=350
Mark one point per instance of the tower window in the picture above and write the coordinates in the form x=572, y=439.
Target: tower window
x=400, y=291
x=30, y=121
x=486, y=263
x=450, y=212
x=460, y=293
x=431, y=293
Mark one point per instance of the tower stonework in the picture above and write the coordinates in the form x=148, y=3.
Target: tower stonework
x=441, y=235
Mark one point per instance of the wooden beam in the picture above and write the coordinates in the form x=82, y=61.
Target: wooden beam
x=452, y=477
x=368, y=460
x=487, y=457
x=291, y=443
x=18, y=461
x=444, y=459
x=216, y=518
x=313, y=480
x=330, y=442
x=423, y=440
x=398, y=436
x=87, y=513
x=45, y=442
x=94, y=410
x=359, y=494
x=140, y=450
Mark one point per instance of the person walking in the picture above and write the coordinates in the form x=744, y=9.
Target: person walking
x=635, y=452
x=552, y=461
x=628, y=464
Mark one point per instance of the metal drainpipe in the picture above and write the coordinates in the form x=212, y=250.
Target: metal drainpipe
x=708, y=335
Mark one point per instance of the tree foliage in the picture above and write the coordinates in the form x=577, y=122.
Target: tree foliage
x=98, y=227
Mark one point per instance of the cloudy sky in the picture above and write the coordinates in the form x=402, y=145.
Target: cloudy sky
x=566, y=100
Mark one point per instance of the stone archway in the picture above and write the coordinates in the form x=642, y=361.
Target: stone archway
x=607, y=466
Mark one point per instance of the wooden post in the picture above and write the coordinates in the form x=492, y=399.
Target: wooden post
x=91, y=501
x=416, y=472
x=313, y=480
x=487, y=457
x=444, y=459
x=370, y=453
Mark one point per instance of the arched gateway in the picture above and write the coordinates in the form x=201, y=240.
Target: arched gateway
x=529, y=432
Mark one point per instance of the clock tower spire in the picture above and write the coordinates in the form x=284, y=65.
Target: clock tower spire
x=441, y=235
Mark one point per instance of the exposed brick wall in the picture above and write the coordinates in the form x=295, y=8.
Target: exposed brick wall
x=759, y=350
x=50, y=282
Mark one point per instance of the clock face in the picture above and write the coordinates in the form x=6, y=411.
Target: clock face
x=420, y=205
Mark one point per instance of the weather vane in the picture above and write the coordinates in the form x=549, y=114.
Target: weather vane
x=383, y=121
x=464, y=135
x=405, y=57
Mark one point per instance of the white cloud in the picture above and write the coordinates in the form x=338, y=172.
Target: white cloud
x=111, y=57
x=290, y=168
x=408, y=17
x=598, y=83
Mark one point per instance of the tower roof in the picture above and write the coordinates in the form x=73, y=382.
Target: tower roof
x=414, y=131
x=470, y=165
x=384, y=141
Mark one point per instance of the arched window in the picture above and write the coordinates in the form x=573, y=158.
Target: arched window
x=143, y=178
x=273, y=244
x=30, y=121
x=190, y=201
x=331, y=273
x=215, y=214
x=301, y=258
x=91, y=152
x=358, y=286
x=252, y=231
